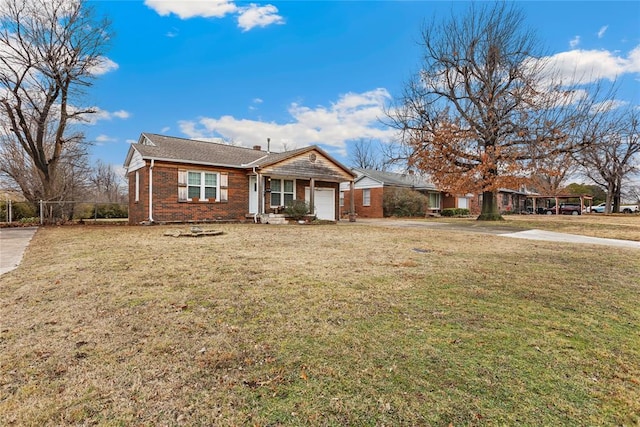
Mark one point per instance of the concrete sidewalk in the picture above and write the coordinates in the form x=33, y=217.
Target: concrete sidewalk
x=13, y=242
x=551, y=236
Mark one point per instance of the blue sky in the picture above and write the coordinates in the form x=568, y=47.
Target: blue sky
x=306, y=72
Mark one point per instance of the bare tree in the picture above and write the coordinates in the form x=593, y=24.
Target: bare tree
x=107, y=184
x=485, y=108
x=367, y=154
x=50, y=50
x=614, y=153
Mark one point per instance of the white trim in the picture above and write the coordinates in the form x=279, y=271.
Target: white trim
x=282, y=192
x=137, y=184
x=202, y=185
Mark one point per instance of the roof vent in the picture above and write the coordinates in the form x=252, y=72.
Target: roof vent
x=257, y=147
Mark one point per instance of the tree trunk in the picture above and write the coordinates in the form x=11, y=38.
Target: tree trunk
x=490, y=207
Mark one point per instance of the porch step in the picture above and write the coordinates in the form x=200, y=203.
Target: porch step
x=275, y=219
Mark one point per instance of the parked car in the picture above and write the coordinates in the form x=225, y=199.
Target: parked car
x=629, y=208
x=596, y=209
x=623, y=208
x=564, y=209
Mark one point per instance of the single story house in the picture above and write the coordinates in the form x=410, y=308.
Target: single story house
x=183, y=180
x=371, y=185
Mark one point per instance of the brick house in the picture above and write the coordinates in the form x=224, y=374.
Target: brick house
x=371, y=185
x=182, y=180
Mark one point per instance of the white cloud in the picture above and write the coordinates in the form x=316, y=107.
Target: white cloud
x=192, y=8
x=575, y=42
x=102, y=139
x=588, y=66
x=353, y=116
x=258, y=16
x=101, y=114
x=121, y=114
x=609, y=105
x=601, y=31
x=103, y=66
x=165, y=129
x=248, y=17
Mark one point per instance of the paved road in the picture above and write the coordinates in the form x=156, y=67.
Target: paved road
x=13, y=242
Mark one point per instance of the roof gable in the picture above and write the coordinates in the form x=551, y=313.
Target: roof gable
x=394, y=179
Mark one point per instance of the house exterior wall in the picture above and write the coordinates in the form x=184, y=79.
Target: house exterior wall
x=374, y=210
x=167, y=207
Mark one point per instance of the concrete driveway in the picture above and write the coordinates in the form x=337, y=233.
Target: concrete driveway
x=504, y=231
x=13, y=242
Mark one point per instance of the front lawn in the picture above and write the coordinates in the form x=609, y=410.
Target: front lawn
x=318, y=325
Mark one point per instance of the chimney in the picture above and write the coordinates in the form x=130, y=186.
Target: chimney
x=257, y=147
x=268, y=145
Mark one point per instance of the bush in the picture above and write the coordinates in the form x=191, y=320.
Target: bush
x=297, y=210
x=19, y=210
x=457, y=212
x=403, y=202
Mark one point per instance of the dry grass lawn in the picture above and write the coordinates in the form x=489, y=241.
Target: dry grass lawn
x=318, y=325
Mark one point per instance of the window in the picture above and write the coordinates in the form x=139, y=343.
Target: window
x=342, y=199
x=366, y=197
x=137, y=193
x=203, y=185
x=282, y=193
x=434, y=200
x=206, y=186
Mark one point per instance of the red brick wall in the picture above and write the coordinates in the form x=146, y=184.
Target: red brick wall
x=374, y=210
x=167, y=208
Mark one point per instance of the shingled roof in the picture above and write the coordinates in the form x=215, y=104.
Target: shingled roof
x=182, y=150
x=395, y=179
x=168, y=148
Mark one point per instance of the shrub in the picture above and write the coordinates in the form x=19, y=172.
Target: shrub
x=297, y=210
x=403, y=202
x=457, y=212
x=19, y=210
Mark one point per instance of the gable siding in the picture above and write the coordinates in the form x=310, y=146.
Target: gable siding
x=302, y=167
x=367, y=182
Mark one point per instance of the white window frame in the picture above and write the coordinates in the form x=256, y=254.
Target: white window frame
x=437, y=198
x=366, y=197
x=282, y=192
x=222, y=185
x=202, y=185
x=341, y=199
x=137, y=189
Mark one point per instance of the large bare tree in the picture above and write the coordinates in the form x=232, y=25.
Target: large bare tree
x=614, y=154
x=484, y=109
x=50, y=50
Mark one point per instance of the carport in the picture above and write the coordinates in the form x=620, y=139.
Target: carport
x=561, y=197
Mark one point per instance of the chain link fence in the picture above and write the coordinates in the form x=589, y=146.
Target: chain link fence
x=60, y=212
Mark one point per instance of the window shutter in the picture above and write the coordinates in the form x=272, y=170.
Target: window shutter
x=182, y=177
x=224, y=184
x=182, y=193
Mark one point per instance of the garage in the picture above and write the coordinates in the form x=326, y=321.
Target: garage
x=325, y=202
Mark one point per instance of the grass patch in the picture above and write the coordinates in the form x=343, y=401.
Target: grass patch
x=332, y=325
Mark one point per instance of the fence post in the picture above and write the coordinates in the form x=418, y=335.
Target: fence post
x=9, y=211
x=41, y=212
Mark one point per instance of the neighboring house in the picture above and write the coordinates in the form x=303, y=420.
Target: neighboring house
x=182, y=180
x=509, y=201
x=371, y=185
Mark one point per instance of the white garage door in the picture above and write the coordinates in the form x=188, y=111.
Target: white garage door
x=325, y=202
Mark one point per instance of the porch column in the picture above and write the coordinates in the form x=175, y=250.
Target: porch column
x=352, y=202
x=312, y=190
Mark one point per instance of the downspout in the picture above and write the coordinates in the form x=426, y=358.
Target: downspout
x=255, y=215
x=151, y=191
